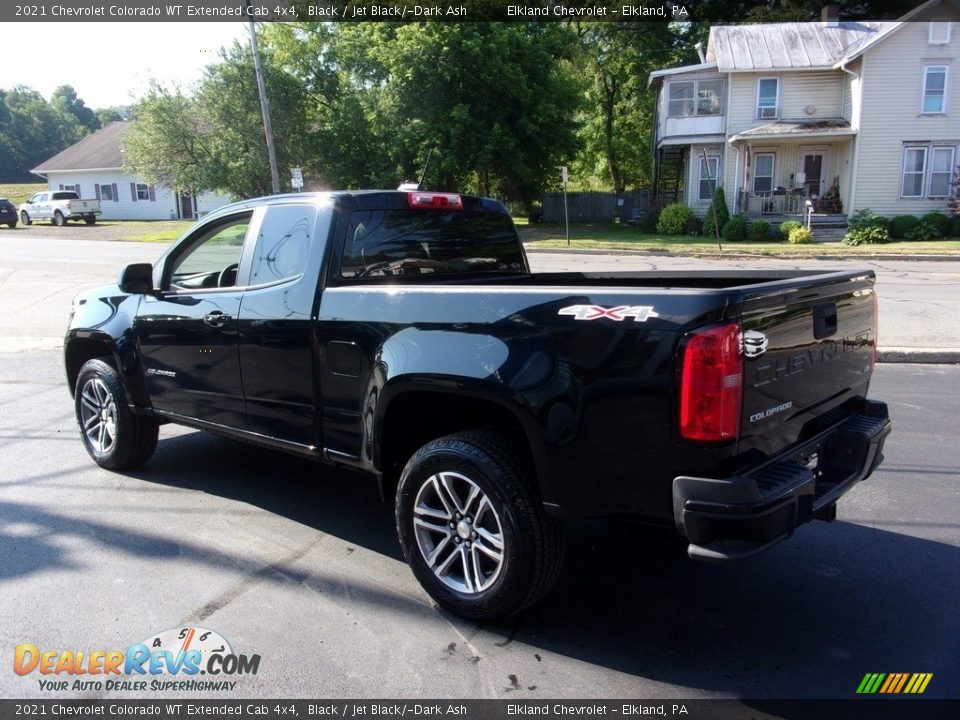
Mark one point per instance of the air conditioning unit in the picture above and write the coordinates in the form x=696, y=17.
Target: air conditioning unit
x=768, y=113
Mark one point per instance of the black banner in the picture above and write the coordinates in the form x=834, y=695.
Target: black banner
x=178, y=708
x=348, y=11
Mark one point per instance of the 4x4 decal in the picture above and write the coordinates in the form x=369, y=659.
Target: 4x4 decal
x=639, y=313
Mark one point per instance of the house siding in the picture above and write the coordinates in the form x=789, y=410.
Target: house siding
x=163, y=206
x=820, y=91
x=890, y=113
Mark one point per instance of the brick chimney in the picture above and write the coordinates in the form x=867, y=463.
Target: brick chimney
x=830, y=15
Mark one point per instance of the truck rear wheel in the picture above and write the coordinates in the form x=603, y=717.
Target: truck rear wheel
x=114, y=437
x=90, y=220
x=472, y=528
x=58, y=219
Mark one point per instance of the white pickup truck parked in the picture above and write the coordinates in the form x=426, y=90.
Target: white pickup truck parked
x=59, y=206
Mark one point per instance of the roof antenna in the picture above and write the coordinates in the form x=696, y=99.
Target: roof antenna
x=426, y=164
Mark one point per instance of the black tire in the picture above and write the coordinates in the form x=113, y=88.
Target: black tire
x=58, y=219
x=24, y=218
x=90, y=220
x=114, y=437
x=12, y=225
x=531, y=543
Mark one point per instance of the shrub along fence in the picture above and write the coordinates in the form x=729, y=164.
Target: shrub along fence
x=595, y=206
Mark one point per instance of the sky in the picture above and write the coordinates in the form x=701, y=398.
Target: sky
x=110, y=63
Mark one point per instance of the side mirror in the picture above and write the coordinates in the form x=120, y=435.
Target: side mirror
x=136, y=279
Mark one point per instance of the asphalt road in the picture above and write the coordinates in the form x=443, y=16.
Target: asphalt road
x=39, y=276
x=299, y=564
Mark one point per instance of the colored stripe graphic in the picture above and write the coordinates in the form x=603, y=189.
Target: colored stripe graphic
x=894, y=683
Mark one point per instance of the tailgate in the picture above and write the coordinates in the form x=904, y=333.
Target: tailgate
x=808, y=355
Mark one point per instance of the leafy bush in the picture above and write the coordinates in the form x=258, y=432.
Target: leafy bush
x=940, y=221
x=649, y=222
x=759, y=231
x=694, y=226
x=924, y=230
x=673, y=219
x=736, y=229
x=787, y=226
x=723, y=215
x=866, y=235
x=902, y=224
x=867, y=218
x=799, y=236
x=954, y=226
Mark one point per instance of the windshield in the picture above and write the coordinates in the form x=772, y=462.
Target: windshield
x=383, y=243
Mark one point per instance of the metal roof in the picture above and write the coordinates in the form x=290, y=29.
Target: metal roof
x=97, y=151
x=788, y=46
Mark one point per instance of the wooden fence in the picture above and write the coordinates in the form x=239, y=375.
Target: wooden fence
x=595, y=206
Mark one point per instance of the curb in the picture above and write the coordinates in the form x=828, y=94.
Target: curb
x=735, y=255
x=927, y=356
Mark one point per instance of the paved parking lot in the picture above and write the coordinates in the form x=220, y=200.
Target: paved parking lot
x=299, y=564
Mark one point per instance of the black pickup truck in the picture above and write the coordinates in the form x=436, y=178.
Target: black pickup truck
x=403, y=334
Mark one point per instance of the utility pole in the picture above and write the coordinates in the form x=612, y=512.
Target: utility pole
x=265, y=109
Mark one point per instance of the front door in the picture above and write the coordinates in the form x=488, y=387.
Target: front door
x=187, y=333
x=813, y=172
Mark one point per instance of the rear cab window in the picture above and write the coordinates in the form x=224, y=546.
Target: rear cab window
x=412, y=242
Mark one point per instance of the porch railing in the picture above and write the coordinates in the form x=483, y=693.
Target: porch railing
x=771, y=203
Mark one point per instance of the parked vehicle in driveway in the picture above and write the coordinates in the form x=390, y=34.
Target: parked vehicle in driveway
x=8, y=213
x=403, y=334
x=59, y=206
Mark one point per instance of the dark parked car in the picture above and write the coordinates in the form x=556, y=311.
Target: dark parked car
x=404, y=335
x=8, y=213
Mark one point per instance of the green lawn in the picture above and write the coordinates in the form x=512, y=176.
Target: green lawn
x=623, y=237
x=20, y=192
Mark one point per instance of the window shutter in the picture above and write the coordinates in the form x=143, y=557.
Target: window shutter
x=96, y=189
x=77, y=190
x=116, y=195
x=133, y=191
x=61, y=186
x=153, y=194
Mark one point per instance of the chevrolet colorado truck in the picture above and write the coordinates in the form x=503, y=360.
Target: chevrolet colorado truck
x=59, y=206
x=402, y=333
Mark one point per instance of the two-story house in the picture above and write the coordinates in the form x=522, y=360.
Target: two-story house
x=776, y=112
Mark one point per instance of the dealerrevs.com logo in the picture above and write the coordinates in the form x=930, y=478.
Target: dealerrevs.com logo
x=168, y=661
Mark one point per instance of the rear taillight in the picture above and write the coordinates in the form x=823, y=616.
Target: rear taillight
x=711, y=388
x=434, y=201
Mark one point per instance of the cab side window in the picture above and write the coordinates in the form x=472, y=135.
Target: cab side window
x=212, y=259
x=283, y=245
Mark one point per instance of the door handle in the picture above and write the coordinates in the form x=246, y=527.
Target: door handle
x=824, y=320
x=216, y=319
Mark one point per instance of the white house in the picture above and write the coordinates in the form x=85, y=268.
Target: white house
x=93, y=167
x=775, y=112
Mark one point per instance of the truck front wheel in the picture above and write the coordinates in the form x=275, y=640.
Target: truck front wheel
x=114, y=437
x=472, y=528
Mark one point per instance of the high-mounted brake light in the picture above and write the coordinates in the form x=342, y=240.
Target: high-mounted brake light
x=711, y=388
x=434, y=201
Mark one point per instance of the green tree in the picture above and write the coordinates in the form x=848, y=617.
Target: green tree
x=65, y=100
x=31, y=131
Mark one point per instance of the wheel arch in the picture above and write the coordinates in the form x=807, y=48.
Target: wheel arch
x=80, y=349
x=440, y=413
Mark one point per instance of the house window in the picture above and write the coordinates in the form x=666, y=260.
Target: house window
x=768, y=98
x=694, y=97
x=143, y=191
x=106, y=192
x=939, y=33
x=941, y=172
x=763, y=172
x=934, y=89
x=709, y=169
x=680, y=99
x=927, y=171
